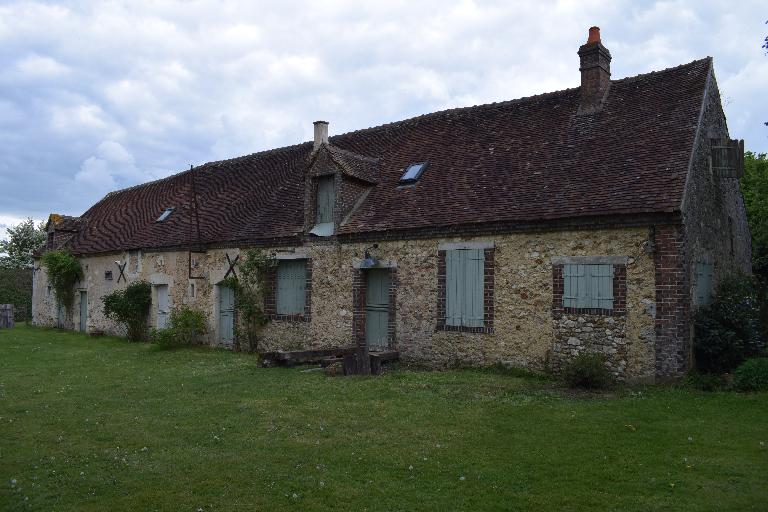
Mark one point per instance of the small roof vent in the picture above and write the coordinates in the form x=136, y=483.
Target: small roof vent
x=165, y=214
x=412, y=173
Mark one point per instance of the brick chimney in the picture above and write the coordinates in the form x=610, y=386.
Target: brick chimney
x=321, y=133
x=595, y=72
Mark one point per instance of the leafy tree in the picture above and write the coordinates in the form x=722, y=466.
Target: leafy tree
x=23, y=240
x=130, y=307
x=754, y=187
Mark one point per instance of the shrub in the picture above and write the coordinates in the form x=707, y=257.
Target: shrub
x=752, y=375
x=63, y=272
x=588, y=371
x=185, y=326
x=130, y=307
x=728, y=330
x=706, y=381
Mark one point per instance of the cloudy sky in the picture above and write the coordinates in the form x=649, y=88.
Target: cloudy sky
x=96, y=96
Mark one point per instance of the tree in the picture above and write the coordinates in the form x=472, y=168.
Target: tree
x=24, y=239
x=754, y=187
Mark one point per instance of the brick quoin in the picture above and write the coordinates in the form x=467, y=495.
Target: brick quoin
x=673, y=344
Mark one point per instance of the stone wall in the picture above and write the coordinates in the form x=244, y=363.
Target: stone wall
x=523, y=331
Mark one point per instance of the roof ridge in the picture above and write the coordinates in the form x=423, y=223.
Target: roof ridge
x=629, y=79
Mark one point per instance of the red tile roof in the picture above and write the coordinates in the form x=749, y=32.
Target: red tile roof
x=523, y=161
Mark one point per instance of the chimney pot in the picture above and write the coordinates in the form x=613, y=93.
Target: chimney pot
x=594, y=35
x=321, y=133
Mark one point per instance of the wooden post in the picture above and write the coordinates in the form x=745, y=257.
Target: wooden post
x=6, y=316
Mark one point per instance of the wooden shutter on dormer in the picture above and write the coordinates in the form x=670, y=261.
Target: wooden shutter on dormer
x=727, y=158
x=325, y=200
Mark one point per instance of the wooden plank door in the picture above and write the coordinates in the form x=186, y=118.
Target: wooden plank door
x=83, y=310
x=226, y=315
x=162, y=306
x=60, y=316
x=377, y=309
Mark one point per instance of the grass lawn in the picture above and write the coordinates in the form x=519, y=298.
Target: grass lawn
x=108, y=425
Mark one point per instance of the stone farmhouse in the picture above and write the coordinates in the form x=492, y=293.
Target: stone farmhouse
x=589, y=219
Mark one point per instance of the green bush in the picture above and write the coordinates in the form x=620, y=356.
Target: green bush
x=588, y=371
x=130, y=307
x=752, y=375
x=728, y=330
x=185, y=326
x=706, y=381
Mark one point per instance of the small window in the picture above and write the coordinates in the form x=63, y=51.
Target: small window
x=165, y=214
x=464, y=284
x=588, y=286
x=107, y=275
x=704, y=283
x=48, y=291
x=192, y=290
x=291, y=287
x=413, y=173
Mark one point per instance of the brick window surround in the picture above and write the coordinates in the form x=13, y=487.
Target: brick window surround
x=619, y=285
x=488, y=279
x=358, y=307
x=270, y=303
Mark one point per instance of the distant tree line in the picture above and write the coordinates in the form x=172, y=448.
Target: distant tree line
x=16, y=267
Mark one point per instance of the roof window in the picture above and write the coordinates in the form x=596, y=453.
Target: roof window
x=413, y=173
x=165, y=214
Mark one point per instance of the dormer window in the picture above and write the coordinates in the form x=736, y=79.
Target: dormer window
x=325, y=197
x=165, y=214
x=413, y=173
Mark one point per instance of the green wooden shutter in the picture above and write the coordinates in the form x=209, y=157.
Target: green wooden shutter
x=704, y=283
x=464, y=282
x=475, y=276
x=600, y=286
x=454, y=292
x=588, y=286
x=325, y=200
x=291, y=287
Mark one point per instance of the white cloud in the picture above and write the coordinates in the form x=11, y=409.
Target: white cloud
x=101, y=95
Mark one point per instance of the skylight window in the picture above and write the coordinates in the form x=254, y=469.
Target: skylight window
x=165, y=214
x=413, y=173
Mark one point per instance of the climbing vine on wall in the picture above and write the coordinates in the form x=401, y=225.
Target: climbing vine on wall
x=64, y=272
x=251, y=288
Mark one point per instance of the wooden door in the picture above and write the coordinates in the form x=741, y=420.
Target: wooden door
x=60, y=316
x=377, y=309
x=226, y=315
x=162, y=306
x=83, y=310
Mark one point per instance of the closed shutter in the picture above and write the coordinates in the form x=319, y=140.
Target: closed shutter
x=588, y=286
x=704, y=283
x=291, y=287
x=325, y=200
x=465, y=276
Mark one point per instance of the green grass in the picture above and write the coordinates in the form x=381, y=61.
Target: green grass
x=107, y=425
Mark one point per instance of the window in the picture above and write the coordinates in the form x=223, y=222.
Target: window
x=588, y=286
x=107, y=275
x=291, y=287
x=48, y=291
x=192, y=290
x=165, y=214
x=325, y=198
x=413, y=173
x=704, y=283
x=464, y=284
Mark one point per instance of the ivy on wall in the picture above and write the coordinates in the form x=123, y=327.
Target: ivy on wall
x=64, y=272
x=251, y=288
